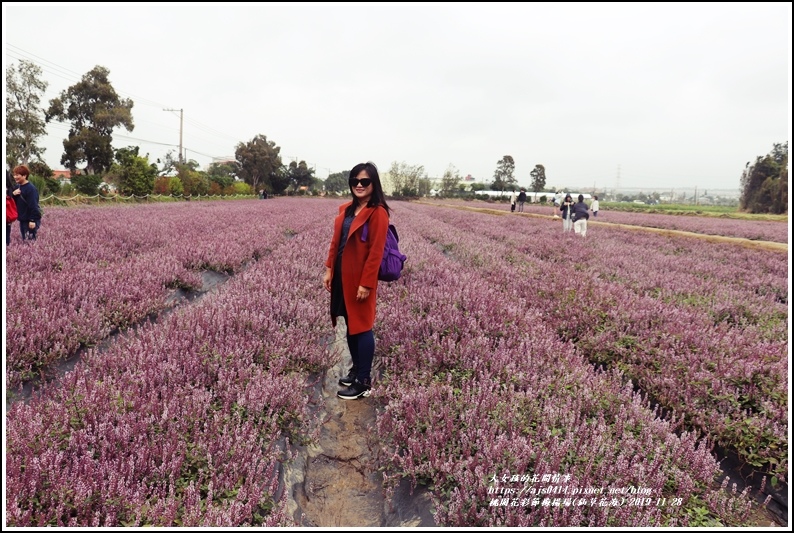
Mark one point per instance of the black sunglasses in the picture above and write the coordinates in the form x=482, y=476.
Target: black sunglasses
x=365, y=182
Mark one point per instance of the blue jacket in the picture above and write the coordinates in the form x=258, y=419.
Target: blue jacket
x=28, y=203
x=580, y=211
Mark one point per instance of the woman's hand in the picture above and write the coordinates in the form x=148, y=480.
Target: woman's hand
x=327, y=279
x=362, y=294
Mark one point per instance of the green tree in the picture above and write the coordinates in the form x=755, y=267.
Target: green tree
x=175, y=187
x=87, y=184
x=405, y=179
x=538, y=178
x=52, y=186
x=222, y=173
x=337, y=182
x=765, y=183
x=300, y=175
x=40, y=168
x=133, y=174
x=169, y=162
x=240, y=187
x=503, y=176
x=39, y=183
x=317, y=184
x=450, y=180
x=279, y=181
x=24, y=117
x=194, y=182
x=259, y=164
x=94, y=109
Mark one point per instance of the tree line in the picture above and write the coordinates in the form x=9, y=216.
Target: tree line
x=94, y=110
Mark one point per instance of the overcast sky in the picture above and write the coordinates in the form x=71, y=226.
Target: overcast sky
x=629, y=95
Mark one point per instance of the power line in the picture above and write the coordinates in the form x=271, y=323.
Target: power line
x=211, y=130
x=71, y=76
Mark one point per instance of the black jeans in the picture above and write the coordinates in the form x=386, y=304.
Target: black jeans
x=26, y=232
x=362, y=351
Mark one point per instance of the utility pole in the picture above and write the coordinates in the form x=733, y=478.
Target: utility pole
x=181, y=114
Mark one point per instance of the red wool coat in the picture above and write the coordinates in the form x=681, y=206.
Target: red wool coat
x=360, y=264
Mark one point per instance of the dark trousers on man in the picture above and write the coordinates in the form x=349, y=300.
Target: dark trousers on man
x=26, y=231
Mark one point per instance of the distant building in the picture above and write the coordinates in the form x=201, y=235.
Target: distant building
x=64, y=177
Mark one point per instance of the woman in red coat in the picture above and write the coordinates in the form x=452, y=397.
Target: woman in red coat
x=351, y=272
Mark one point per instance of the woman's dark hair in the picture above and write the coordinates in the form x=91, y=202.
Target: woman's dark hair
x=581, y=198
x=377, y=198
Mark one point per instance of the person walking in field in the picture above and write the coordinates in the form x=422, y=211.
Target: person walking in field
x=512, y=201
x=567, y=213
x=351, y=272
x=26, y=197
x=594, y=206
x=11, y=206
x=522, y=197
x=580, y=217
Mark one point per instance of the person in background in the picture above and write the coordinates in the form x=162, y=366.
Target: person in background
x=10, y=186
x=594, y=206
x=522, y=197
x=567, y=210
x=580, y=217
x=27, y=199
x=351, y=272
x=512, y=200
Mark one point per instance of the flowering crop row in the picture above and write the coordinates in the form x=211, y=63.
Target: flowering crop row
x=700, y=327
x=183, y=422
x=756, y=230
x=97, y=269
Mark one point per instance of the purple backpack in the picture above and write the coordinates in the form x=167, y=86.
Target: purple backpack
x=391, y=266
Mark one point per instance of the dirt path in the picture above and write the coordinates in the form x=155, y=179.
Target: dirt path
x=336, y=483
x=747, y=243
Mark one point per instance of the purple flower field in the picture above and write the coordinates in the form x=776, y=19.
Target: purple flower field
x=507, y=350
x=98, y=269
x=756, y=230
